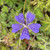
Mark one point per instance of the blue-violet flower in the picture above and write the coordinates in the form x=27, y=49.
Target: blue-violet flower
x=25, y=33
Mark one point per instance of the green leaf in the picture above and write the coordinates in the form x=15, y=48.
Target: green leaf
x=41, y=46
x=4, y=32
x=3, y=14
x=38, y=13
x=3, y=48
x=5, y=9
x=1, y=2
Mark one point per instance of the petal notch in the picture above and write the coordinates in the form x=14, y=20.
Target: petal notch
x=34, y=27
x=30, y=17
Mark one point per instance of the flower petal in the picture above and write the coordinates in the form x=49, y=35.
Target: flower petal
x=25, y=34
x=34, y=27
x=14, y=30
x=16, y=27
x=30, y=17
x=20, y=18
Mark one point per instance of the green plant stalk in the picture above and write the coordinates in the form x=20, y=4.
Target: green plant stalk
x=24, y=6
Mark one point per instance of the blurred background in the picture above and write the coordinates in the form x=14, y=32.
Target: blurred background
x=9, y=9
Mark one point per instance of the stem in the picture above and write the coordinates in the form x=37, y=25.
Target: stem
x=24, y=6
x=34, y=37
x=32, y=40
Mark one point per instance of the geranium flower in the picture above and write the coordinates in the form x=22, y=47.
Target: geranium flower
x=25, y=33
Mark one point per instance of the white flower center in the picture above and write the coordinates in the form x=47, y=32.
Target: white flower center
x=24, y=25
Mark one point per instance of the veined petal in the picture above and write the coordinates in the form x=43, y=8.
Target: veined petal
x=14, y=30
x=34, y=27
x=16, y=27
x=25, y=34
x=30, y=17
x=20, y=18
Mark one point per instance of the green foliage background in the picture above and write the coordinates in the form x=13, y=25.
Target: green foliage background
x=9, y=9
